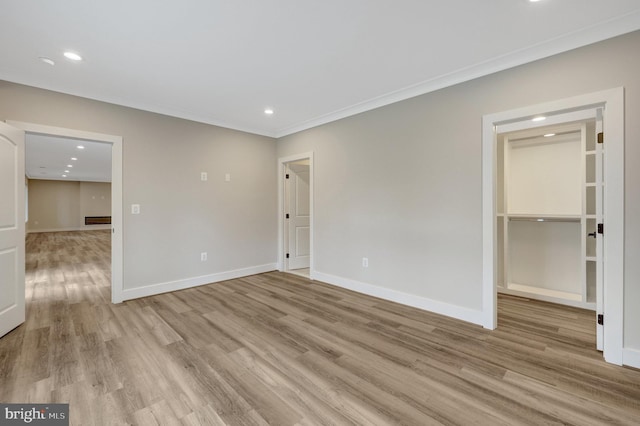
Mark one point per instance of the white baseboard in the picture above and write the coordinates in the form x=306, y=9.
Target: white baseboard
x=36, y=231
x=95, y=227
x=631, y=357
x=82, y=228
x=423, y=303
x=153, y=289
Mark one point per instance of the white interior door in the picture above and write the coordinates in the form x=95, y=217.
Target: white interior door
x=599, y=210
x=12, y=228
x=298, y=222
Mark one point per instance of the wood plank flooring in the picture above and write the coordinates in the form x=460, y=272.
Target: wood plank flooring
x=277, y=349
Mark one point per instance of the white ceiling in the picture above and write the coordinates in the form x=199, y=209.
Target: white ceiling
x=49, y=157
x=223, y=61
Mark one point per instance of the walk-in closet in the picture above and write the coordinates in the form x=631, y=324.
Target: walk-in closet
x=549, y=190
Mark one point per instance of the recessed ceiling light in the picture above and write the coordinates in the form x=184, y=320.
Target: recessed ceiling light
x=66, y=171
x=74, y=159
x=80, y=146
x=64, y=175
x=47, y=60
x=268, y=111
x=548, y=135
x=69, y=165
x=538, y=118
x=73, y=56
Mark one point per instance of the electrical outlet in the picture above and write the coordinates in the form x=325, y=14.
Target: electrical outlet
x=365, y=262
x=227, y=177
x=203, y=256
x=203, y=176
x=135, y=208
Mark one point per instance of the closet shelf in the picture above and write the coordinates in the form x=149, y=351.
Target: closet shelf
x=544, y=217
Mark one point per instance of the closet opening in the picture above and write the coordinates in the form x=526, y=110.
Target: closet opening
x=553, y=209
x=548, y=206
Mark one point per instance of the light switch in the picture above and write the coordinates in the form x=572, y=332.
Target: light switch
x=203, y=176
x=227, y=177
x=135, y=208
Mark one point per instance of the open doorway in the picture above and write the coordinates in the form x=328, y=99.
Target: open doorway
x=68, y=219
x=91, y=212
x=580, y=109
x=296, y=208
x=549, y=200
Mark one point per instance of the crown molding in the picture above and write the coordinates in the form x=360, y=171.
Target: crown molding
x=586, y=36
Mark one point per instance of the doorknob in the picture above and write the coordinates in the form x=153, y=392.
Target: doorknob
x=592, y=234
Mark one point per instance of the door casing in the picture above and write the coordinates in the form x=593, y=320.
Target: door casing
x=613, y=103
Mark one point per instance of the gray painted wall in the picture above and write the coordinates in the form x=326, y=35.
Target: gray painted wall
x=62, y=205
x=401, y=185
x=235, y=222
x=53, y=205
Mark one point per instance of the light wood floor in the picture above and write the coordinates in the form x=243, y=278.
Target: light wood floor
x=281, y=350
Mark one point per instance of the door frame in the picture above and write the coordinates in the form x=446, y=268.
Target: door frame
x=613, y=103
x=282, y=162
x=116, y=191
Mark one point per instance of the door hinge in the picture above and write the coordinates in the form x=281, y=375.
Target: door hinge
x=287, y=255
x=601, y=228
x=286, y=216
x=600, y=319
x=601, y=137
x=286, y=176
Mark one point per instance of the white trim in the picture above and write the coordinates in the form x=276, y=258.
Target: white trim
x=594, y=34
x=153, y=289
x=580, y=115
x=414, y=301
x=61, y=131
x=116, y=192
x=613, y=103
x=631, y=357
x=281, y=234
x=72, y=229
